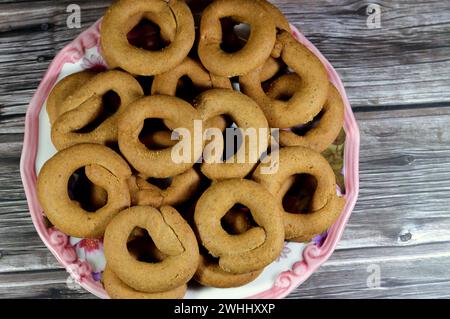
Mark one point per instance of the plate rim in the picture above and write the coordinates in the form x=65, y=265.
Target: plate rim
x=58, y=243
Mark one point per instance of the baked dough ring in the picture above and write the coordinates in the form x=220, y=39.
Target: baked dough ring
x=104, y=168
x=86, y=105
x=63, y=90
x=252, y=250
x=326, y=206
x=307, y=101
x=255, y=52
x=158, y=163
x=322, y=135
x=117, y=289
x=167, y=82
x=160, y=139
x=181, y=189
x=247, y=115
x=120, y=19
x=270, y=68
x=171, y=235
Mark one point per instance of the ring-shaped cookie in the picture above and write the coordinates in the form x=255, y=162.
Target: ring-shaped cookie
x=157, y=163
x=326, y=206
x=307, y=101
x=247, y=116
x=181, y=189
x=171, y=235
x=325, y=132
x=104, y=168
x=257, y=49
x=209, y=272
x=63, y=90
x=249, y=251
x=86, y=104
x=120, y=19
x=117, y=289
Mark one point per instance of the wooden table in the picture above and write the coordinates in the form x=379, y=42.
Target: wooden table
x=398, y=80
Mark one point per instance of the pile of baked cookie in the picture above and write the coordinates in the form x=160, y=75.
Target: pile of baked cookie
x=165, y=222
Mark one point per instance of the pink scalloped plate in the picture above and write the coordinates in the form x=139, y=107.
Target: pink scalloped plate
x=83, y=258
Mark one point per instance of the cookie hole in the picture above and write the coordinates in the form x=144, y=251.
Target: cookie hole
x=298, y=198
x=151, y=126
x=161, y=183
x=301, y=130
x=237, y=220
x=147, y=35
x=234, y=35
x=142, y=247
x=89, y=196
x=187, y=90
x=110, y=104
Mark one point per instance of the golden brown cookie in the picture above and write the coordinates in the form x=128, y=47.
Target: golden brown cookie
x=104, y=168
x=323, y=133
x=63, y=90
x=209, y=272
x=248, y=117
x=280, y=20
x=171, y=235
x=182, y=187
x=158, y=163
x=326, y=206
x=124, y=15
x=306, y=102
x=257, y=49
x=86, y=105
x=249, y=251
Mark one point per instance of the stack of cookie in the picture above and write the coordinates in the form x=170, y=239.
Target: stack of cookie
x=169, y=214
